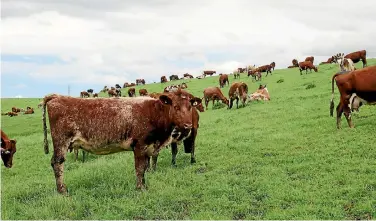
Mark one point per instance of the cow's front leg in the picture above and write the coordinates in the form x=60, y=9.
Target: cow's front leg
x=174, y=152
x=141, y=163
x=347, y=113
x=57, y=163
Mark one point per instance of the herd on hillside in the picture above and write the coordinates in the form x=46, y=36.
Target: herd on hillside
x=147, y=123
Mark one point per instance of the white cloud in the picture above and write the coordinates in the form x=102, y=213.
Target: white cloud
x=116, y=41
x=18, y=96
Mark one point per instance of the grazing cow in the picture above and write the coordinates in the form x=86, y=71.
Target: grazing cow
x=272, y=65
x=256, y=75
x=222, y=80
x=357, y=56
x=236, y=74
x=295, y=63
x=205, y=73
x=238, y=90
x=262, y=93
x=84, y=94
x=117, y=86
x=187, y=137
x=126, y=84
x=90, y=91
x=174, y=77
x=362, y=82
x=311, y=59
x=242, y=70
x=16, y=110
x=186, y=75
x=214, y=94
x=112, y=93
x=8, y=149
x=291, y=66
x=143, y=92
x=29, y=111
x=163, y=79
x=265, y=68
x=140, y=81
x=95, y=95
x=305, y=65
x=132, y=92
x=183, y=85
x=143, y=125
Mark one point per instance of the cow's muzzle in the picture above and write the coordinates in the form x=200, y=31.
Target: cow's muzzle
x=187, y=126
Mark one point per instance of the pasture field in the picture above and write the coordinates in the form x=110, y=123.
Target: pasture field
x=282, y=159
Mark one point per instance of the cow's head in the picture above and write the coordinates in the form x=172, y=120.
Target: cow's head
x=315, y=68
x=8, y=148
x=181, y=109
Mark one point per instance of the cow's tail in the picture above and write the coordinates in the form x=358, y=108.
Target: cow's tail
x=331, y=101
x=45, y=100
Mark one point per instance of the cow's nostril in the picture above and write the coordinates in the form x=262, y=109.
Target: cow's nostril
x=187, y=126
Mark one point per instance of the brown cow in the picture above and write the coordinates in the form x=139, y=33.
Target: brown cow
x=16, y=110
x=262, y=93
x=183, y=85
x=8, y=148
x=265, y=68
x=291, y=66
x=295, y=63
x=126, y=84
x=222, y=80
x=357, y=56
x=140, y=81
x=311, y=59
x=95, y=95
x=163, y=79
x=12, y=114
x=256, y=75
x=174, y=77
x=362, y=82
x=29, y=111
x=113, y=93
x=272, y=65
x=214, y=94
x=143, y=125
x=305, y=65
x=186, y=75
x=84, y=94
x=209, y=73
x=242, y=70
x=132, y=92
x=238, y=90
x=142, y=92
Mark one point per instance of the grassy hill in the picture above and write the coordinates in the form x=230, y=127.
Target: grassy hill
x=282, y=159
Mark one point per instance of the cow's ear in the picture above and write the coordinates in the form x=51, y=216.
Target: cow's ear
x=13, y=141
x=165, y=99
x=196, y=101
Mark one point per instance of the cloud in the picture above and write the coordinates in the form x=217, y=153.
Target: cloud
x=76, y=42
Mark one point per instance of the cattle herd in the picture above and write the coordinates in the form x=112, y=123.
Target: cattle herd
x=145, y=124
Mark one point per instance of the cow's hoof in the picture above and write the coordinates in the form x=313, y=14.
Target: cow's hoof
x=193, y=161
x=173, y=165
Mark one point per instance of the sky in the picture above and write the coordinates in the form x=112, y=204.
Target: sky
x=47, y=45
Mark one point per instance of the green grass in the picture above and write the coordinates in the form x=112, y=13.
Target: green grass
x=282, y=159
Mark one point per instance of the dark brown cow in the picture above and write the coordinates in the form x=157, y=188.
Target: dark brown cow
x=143, y=92
x=143, y=125
x=183, y=85
x=222, y=80
x=95, y=95
x=132, y=92
x=8, y=148
x=238, y=90
x=209, y=73
x=16, y=110
x=186, y=75
x=357, y=56
x=265, y=68
x=140, y=81
x=126, y=84
x=242, y=70
x=291, y=66
x=295, y=63
x=214, y=94
x=84, y=94
x=272, y=65
x=305, y=65
x=112, y=93
x=362, y=82
x=174, y=77
x=256, y=75
x=12, y=114
x=163, y=79
x=311, y=59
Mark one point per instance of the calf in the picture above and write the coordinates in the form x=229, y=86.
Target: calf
x=238, y=90
x=8, y=149
x=214, y=94
x=305, y=65
x=357, y=56
x=143, y=92
x=132, y=92
x=143, y=125
x=84, y=94
x=362, y=82
x=222, y=80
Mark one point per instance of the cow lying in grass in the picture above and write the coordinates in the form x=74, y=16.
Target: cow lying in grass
x=262, y=94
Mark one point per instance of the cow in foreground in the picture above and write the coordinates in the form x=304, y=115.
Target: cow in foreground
x=214, y=94
x=143, y=125
x=362, y=82
x=238, y=91
x=8, y=149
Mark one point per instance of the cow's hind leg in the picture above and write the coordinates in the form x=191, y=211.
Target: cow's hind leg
x=347, y=112
x=57, y=163
x=141, y=164
x=174, y=152
x=339, y=114
x=237, y=103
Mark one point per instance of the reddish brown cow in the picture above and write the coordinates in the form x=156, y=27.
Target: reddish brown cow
x=12, y=114
x=8, y=148
x=311, y=59
x=295, y=63
x=140, y=81
x=143, y=92
x=223, y=79
x=272, y=65
x=209, y=73
x=126, y=84
x=214, y=94
x=238, y=90
x=362, y=82
x=95, y=95
x=29, y=111
x=186, y=75
x=265, y=68
x=84, y=94
x=163, y=79
x=242, y=70
x=256, y=75
x=357, y=56
x=132, y=92
x=16, y=110
x=291, y=66
x=305, y=65
x=143, y=125
x=112, y=93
